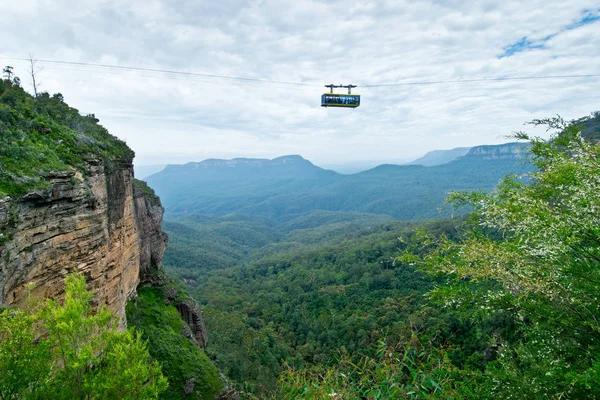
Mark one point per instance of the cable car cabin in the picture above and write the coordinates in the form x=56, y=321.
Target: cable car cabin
x=340, y=100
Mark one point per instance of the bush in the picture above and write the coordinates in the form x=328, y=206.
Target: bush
x=80, y=355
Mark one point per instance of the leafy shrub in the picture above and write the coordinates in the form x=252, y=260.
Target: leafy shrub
x=80, y=355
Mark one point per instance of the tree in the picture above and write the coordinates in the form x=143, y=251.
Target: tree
x=538, y=241
x=9, y=75
x=80, y=355
x=8, y=72
x=24, y=364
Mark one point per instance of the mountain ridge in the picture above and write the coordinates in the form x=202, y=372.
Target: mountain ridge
x=438, y=157
x=295, y=159
x=293, y=185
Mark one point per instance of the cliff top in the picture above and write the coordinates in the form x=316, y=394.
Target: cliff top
x=43, y=135
x=250, y=162
x=141, y=189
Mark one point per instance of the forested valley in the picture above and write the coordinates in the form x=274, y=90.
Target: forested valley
x=312, y=284
x=497, y=301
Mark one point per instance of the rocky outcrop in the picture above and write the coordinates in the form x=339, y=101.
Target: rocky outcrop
x=190, y=313
x=188, y=310
x=507, y=151
x=153, y=241
x=92, y=222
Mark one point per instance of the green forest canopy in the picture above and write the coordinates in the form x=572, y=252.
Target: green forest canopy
x=509, y=310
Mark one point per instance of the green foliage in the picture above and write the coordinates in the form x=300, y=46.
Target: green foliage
x=80, y=355
x=412, y=371
x=302, y=308
x=181, y=359
x=540, y=244
x=510, y=309
x=142, y=189
x=43, y=134
x=205, y=242
x=24, y=365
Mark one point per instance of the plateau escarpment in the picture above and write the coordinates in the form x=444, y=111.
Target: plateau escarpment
x=93, y=222
x=69, y=202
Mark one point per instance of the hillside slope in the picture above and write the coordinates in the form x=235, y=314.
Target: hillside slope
x=438, y=157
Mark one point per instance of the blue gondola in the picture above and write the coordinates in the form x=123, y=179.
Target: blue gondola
x=340, y=100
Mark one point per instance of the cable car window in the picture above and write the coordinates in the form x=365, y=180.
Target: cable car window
x=340, y=100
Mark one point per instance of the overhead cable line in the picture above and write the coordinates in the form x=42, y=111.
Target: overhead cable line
x=259, y=80
x=494, y=79
x=165, y=71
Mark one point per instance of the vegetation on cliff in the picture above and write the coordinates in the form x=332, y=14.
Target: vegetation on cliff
x=190, y=373
x=80, y=355
x=41, y=135
x=141, y=188
x=84, y=356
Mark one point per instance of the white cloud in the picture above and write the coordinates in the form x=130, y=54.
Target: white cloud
x=177, y=119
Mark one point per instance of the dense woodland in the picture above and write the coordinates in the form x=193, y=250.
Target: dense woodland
x=499, y=303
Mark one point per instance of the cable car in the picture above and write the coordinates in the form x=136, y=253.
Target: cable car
x=339, y=99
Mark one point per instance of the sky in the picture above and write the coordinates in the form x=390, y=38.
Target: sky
x=168, y=118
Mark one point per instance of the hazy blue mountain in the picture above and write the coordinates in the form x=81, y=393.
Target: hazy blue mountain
x=438, y=157
x=355, y=167
x=291, y=185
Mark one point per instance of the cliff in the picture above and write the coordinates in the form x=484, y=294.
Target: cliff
x=439, y=157
x=69, y=202
x=506, y=151
x=94, y=223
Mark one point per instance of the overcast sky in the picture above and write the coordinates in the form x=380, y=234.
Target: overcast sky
x=175, y=119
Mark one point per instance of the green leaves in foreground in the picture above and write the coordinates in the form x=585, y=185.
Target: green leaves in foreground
x=79, y=355
x=413, y=371
x=540, y=243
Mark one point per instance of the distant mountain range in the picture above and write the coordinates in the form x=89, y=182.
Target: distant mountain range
x=439, y=157
x=288, y=186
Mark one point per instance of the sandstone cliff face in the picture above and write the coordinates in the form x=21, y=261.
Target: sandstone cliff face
x=93, y=224
x=153, y=241
x=507, y=151
x=103, y=224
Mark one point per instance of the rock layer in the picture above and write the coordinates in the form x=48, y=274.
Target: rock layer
x=93, y=224
x=153, y=241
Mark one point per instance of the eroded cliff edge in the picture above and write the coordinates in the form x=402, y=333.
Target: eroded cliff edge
x=69, y=202
x=103, y=224
x=91, y=222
